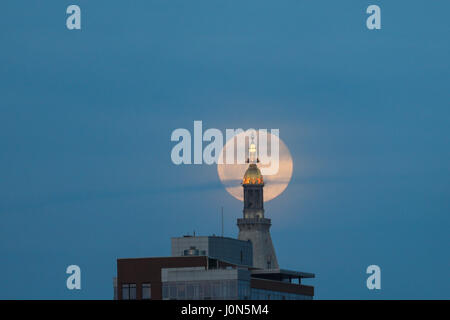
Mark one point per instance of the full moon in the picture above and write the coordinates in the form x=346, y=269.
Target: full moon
x=231, y=174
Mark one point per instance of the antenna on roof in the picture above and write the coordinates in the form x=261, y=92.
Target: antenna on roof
x=222, y=222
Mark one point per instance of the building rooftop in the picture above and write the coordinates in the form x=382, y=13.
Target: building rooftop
x=281, y=274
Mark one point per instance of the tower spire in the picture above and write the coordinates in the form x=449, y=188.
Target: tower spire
x=252, y=150
x=253, y=226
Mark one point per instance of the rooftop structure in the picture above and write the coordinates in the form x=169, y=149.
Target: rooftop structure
x=226, y=249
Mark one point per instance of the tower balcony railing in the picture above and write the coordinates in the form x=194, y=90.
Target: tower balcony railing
x=255, y=220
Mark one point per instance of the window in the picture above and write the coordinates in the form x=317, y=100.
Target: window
x=133, y=291
x=189, y=291
x=129, y=291
x=146, y=291
x=125, y=291
x=216, y=289
x=172, y=291
x=269, y=261
x=203, y=289
x=243, y=290
x=181, y=290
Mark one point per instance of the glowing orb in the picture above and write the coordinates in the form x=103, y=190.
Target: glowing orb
x=231, y=174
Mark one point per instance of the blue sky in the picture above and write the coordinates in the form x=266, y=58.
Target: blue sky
x=86, y=118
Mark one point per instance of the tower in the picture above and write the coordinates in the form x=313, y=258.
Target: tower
x=253, y=226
